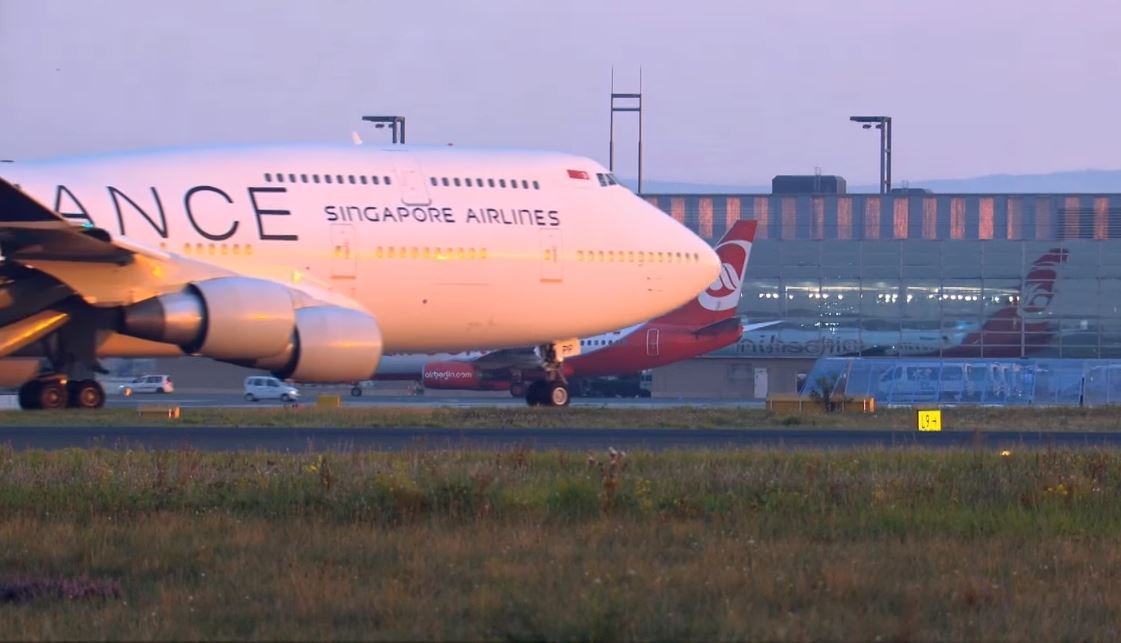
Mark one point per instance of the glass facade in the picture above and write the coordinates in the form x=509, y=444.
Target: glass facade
x=904, y=382
x=949, y=276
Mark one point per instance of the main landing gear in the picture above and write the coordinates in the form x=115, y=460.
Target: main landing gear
x=55, y=393
x=553, y=390
x=71, y=364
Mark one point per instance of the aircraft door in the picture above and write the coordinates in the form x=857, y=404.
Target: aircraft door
x=413, y=188
x=551, y=270
x=653, y=336
x=344, y=256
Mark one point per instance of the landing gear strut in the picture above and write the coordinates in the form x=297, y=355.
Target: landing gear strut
x=553, y=390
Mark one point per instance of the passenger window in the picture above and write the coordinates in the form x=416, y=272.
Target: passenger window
x=303, y=178
x=536, y=185
x=514, y=183
x=326, y=178
x=456, y=181
x=445, y=181
x=279, y=178
x=268, y=177
x=273, y=384
x=291, y=178
x=351, y=177
x=490, y=182
x=362, y=179
x=501, y=183
x=479, y=183
x=467, y=181
x=315, y=178
x=525, y=184
x=340, y=178
x=433, y=181
x=387, y=181
x=374, y=180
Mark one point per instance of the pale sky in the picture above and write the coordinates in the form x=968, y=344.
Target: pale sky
x=735, y=92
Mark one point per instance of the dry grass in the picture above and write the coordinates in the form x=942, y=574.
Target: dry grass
x=753, y=544
x=1031, y=419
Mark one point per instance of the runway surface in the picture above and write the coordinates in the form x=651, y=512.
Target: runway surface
x=326, y=439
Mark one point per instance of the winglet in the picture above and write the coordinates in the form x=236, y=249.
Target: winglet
x=355, y=138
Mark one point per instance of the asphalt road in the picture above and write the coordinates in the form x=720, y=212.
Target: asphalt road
x=327, y=439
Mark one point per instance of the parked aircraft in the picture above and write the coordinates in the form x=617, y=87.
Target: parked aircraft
x=309, y=261
x=1020, y=328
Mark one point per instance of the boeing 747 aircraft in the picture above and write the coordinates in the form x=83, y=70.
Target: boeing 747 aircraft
x=310, y=261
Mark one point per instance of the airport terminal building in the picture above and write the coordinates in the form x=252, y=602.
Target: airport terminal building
x=909, y=274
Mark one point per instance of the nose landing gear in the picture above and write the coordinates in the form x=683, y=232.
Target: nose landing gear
x=553, y=390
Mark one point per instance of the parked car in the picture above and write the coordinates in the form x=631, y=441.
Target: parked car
x=147, y=384
x=266, y=387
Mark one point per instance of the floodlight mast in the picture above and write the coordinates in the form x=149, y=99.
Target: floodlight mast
x=882, y=123
x=394, y=123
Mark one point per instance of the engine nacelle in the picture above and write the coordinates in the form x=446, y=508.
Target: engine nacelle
x=451, y=375
x=229, y=318
x=331, y=344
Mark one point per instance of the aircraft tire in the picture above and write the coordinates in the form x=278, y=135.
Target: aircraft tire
x=29, y=395
x=517, y=390
x=556, y=394
x=52, y=395
x=86, y=394
x=535, y=394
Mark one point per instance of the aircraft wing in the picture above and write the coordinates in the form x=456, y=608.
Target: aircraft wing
x=760, y=325
x=106, y=271
x=30, y=231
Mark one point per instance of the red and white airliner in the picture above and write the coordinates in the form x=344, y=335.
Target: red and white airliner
x=706, y=323
x=309, y=261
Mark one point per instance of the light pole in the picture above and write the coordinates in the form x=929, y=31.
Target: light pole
x=882, y=123
x=392, y=122
x=625, y=102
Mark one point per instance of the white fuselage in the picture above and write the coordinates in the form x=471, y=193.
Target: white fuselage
x=442, y=265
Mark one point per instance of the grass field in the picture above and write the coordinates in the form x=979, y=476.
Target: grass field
x=1031, y=419
x=467, y=545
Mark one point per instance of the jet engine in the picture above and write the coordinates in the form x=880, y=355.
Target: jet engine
x=229, y=318
x=330, y=344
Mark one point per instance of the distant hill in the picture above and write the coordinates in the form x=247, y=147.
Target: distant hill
x=1097, y=181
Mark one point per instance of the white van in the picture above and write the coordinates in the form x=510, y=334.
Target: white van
x=147, y=384
x=267, y=387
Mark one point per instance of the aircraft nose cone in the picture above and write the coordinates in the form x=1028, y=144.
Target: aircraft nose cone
x=710, y=264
